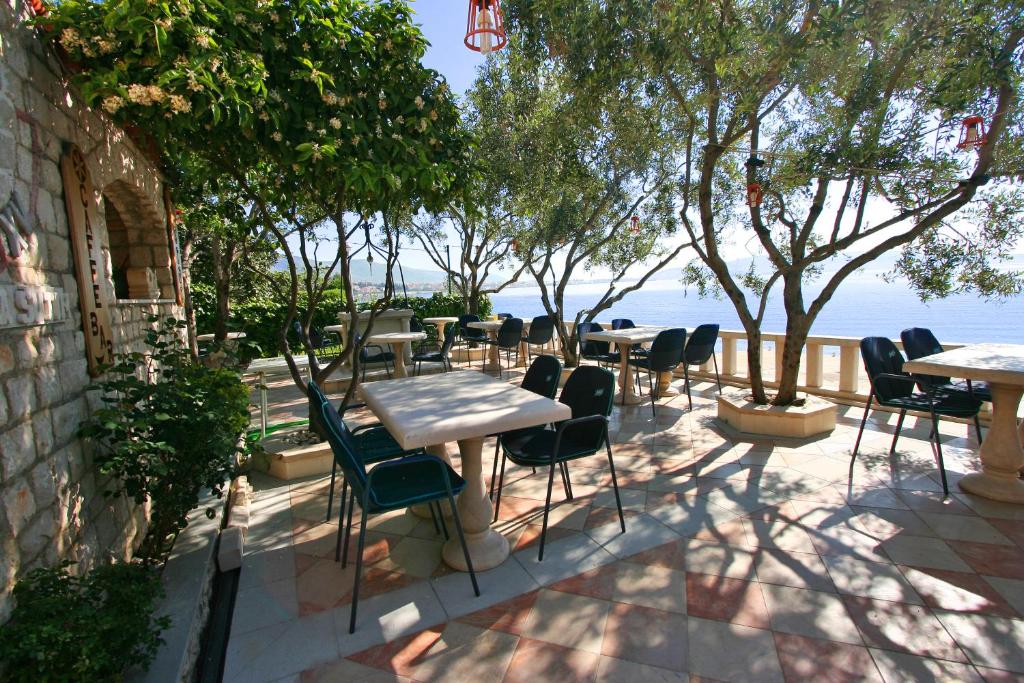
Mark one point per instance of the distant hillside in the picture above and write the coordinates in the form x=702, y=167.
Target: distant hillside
x=362, y=272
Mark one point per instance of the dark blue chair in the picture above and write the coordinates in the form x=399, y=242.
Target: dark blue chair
x=375, y=353
x=589, y=392
x=664, y=356
x=390, y=485
x=470, y=335
x=440, y=356
x=542, y=330
x=622, y=324
x=598, y=351
x=374, y=442
x=919, y=342
x=503, y=316
x=699, y=350
x=893, y=388
x=542, y=378
x=326, y=343
x=508, y=339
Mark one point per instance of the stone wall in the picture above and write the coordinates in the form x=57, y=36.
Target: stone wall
x=51, y=503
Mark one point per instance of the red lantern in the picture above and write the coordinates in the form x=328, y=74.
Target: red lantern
x=972, y=133
x=485, y=27
x=754, y=194
x=634, y=225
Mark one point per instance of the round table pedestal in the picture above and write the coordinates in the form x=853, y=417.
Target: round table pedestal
x=1001, y=454
x=663, y=389
x=627, y=392
x=487, y=547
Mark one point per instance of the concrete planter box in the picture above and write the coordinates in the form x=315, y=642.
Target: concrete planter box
x=288, y=461
x=816, y=416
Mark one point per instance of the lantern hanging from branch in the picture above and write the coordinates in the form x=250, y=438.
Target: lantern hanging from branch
x=972, y=133
x=754, y=194
x=485, y=27
x=634, y=225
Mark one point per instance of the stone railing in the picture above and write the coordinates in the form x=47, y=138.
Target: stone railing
x=830, y=367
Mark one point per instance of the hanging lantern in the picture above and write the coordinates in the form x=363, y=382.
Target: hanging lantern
x=754, y=194
x=485, y=27
x=972, y=133
x=634, y=225
x=515, y=246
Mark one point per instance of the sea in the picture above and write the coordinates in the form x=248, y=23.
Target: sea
x=858, y=309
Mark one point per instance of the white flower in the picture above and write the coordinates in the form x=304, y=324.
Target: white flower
x=309, y=126
x=316, y=152
x=387, y=44
x=433, y=115
x=321, y=132
x=139, y=94
x=156, y=94
x=276, y=135
x=423, y=125
x=164, y=23
x=69, y=38
x=419, y=102
x=361, y=95
x=329, y=98
x=356, y=139
x=202, y=40
x=264, y=116
x=400, y=120
x=239, y=18
x=305, y=46
x=335, y=123
x=396, y=136
x=382, y=104
x=180, y=105
x=112, y=104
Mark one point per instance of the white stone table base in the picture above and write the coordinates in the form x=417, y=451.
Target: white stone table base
x=1002, y=457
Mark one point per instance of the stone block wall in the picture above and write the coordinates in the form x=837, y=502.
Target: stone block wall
x=51, y=502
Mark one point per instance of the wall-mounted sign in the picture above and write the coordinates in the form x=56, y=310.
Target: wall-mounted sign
x=81, y=206
x=30, y=305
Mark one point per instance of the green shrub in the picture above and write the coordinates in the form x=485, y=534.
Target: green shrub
x=169, y=427
x=91, y=628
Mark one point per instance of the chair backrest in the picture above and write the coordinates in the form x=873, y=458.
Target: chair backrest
x=588, y=391
x=415, y=325
x=622, y=324
x=470, y=332
x=338, y=437
x=543, y=376
x=919, y=342
x=449, y=339
x=881, y=356
x=510, y=334
x=666, y=350
x=504, y=316
x=701, y=346
x=542, y=329
x=591, y=348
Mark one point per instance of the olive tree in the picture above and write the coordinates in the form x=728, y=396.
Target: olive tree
x=845, y=115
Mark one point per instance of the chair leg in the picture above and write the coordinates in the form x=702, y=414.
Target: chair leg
x=330, y=491
x=494, y=467
x=863, y=421
x=462, y=540
x=686, y=377
x=650, y=387
x=899, y=428
x=440, y=517
x=348, y=533
x=501, y=482
x=344, y=492
x=615, y=484
x=359, y=568
x=977, y=427
x=547, y=507
x=717, y=376
x=563, y=468
x=938, y=449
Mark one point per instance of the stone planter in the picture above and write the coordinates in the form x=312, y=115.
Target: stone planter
x=816, y=416
x=287, y=460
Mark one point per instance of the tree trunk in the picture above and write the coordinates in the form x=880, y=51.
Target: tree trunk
x=222, y=287
x=186, y=291
x=797, y=327
x=754, y=369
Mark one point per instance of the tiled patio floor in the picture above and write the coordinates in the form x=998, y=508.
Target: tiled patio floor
x=742, y=561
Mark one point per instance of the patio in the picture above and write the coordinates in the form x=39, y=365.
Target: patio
x=742, y=561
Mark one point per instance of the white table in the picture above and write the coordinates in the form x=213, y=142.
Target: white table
x=625, y=339
x=432, y=410
x=231, y=336
x=397, y=342
x=1002, y=366
x=440, y=322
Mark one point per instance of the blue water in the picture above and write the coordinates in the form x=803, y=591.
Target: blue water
x=858, y=309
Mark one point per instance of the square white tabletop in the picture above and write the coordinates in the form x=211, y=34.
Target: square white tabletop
x=435, y=409
x=1001, y=363
x=630, y=335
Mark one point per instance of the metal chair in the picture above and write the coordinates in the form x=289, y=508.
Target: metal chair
x=542, y=378
x=509, y=336
x=542, y=330
x=894, y=388
x=665, y=354
x=599, y=351
x=589, y=391
x=622, y=324
x=319, y=340
x=374, y=442
x=919, y=342
x=470, y=335
x=699, y=350
x=439, y=356
x=379, y=356
x=391, y=485
x=503, y=316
